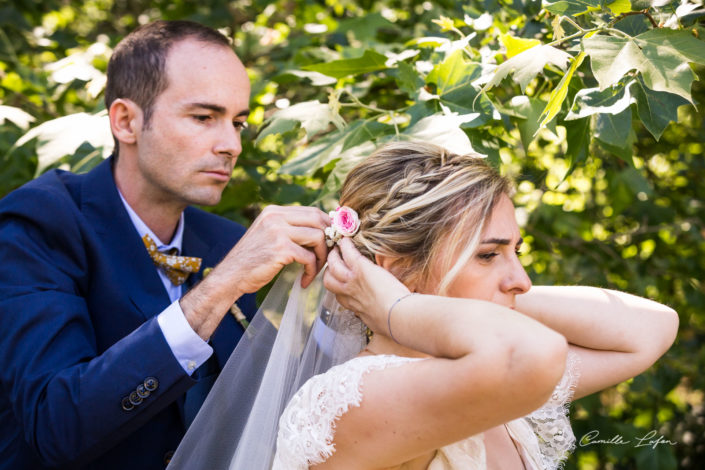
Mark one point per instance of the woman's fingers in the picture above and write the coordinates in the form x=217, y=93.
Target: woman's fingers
x=337, y=266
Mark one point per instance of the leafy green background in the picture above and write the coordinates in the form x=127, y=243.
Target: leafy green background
x=594, y=107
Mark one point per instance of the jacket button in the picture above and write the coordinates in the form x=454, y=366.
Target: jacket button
x=135, y=399
x=151, y=384
x=142, y=391
x=168, y=456
x=126, y=405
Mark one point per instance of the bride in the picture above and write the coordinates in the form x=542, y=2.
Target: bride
x=469, y=366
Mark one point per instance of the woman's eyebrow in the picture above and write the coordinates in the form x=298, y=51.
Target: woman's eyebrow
x=500, y=241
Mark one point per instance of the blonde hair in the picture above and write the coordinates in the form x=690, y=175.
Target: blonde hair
x=421, y=205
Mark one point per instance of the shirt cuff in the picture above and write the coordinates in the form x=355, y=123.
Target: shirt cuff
x=188, y=348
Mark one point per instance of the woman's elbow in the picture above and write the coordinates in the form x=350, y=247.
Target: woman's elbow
x=667, y=329
x=536, y=365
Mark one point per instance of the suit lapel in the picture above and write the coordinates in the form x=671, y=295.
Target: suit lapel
x=101, y=205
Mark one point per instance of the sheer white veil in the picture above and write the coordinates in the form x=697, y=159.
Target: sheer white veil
x=236, y=428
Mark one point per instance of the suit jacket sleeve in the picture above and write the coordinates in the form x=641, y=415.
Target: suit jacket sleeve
x=64, y=390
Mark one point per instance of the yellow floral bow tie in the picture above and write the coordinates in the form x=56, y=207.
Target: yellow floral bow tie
x=177, y=268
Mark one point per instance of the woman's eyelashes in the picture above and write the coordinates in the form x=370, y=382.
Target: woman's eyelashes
x=490, y=255
x=487, y=256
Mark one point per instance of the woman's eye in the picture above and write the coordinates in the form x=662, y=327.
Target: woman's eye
x=202, y=117
x=240, y=125
x=487, y=256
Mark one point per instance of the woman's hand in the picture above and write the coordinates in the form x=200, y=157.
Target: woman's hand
x=362, y=286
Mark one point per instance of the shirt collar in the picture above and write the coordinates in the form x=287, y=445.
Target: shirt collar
x=142, y=229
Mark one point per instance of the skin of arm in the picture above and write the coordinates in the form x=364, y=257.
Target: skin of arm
x=616, y=335
x=490, y=365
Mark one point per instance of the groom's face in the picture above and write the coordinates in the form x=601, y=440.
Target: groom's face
x=494, y=272
x=187, y=151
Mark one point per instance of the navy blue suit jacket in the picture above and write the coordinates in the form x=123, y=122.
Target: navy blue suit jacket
x=79, y=297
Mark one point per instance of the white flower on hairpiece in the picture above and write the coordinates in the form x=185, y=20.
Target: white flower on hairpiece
x=344, y=223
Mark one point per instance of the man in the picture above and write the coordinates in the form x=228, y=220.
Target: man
x=106, y=353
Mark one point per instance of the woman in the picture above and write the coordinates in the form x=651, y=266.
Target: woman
x=477, y=368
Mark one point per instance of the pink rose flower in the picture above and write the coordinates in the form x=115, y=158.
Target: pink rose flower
x=346, y=221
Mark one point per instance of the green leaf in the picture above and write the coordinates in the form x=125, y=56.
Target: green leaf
x=516, y=45
x=527, y=111
x=614, y=129
x=578, y=139
x=370, y=61
x=316, y=156
x=364, y=28
x=407, y=78
x=314, y=117
x=278, y=126
x=62, y=136
x=620, y=6
x=453, y=73
x=656, y=108
x=528, y=64
x=15, y=115
x=572, y=7
x=681, y=42
x=453, y=78
x=612, y=100
x=365, y=131
x=558, y=94
x=661, y=56
x=443, y=130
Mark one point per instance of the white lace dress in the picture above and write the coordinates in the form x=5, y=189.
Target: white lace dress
x=307, y=426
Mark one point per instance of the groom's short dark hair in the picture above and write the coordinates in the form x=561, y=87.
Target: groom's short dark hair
x=137, y=67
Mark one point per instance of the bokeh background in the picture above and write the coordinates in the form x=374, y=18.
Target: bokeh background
x=614, y=197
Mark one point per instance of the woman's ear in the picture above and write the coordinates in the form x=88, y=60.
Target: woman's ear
x=394, y=266
x=125, y=120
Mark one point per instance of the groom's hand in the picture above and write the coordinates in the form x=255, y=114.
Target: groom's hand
x=278, y=237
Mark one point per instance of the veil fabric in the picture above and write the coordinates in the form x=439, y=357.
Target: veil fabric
x=296, y=334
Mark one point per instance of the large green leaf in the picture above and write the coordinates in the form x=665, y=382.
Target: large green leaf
x=317, y=155
x=527, y=111
x=656, y=108
x=63, y=136
x=578, y=139
x=612, y=100
x=453, y=78
x=614, y=129
x=572, y=7
x=313, y=116
x=365, y=131
x=526, y=65
x=661, y=56
x=370, y=61
x=558, y=94
x=407, y=78
x=443, y=130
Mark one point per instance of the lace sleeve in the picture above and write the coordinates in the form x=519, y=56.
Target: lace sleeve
x=307, y=426
x=550, y=423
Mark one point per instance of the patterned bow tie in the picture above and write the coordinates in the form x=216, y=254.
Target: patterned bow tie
x=177, y=268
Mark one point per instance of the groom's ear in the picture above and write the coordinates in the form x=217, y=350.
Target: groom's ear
x=125, y=120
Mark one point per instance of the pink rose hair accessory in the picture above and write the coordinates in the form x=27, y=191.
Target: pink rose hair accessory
x=344, y=223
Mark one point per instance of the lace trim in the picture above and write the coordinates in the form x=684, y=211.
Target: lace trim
x=550, y=423
x=307, y=426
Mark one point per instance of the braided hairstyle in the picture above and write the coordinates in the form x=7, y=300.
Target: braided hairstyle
x=424, y=207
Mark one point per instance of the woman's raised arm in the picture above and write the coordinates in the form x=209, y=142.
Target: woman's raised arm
x=617, y=335
x=489, y=366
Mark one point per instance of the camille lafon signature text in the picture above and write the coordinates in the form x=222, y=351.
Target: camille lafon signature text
x=650, y=439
